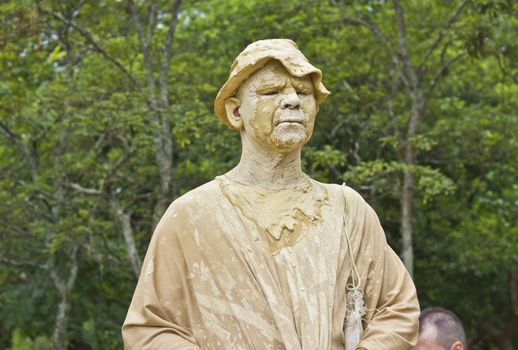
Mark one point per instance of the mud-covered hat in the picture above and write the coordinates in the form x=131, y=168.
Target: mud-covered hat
x=255, y=56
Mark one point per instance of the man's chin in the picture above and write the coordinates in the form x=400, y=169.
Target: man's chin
x=289, y=141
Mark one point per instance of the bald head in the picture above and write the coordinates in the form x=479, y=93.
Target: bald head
x=440, y=329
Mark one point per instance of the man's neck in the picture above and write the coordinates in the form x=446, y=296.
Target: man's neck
x=268, y=168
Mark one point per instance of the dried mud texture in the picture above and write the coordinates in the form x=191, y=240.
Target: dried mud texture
x=211, y=281
x=279, y=215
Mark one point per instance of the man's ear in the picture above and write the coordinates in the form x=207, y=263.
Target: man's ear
x=232, y=105
x=458, y=345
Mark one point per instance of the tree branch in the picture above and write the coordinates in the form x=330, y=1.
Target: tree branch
x=34, y=210
x=77, y=8
x=124, y=221
x=44, y=198
x=62, y=285
x=443, y=32
x=383, y=41
x=402, y=47
x=73, y=269
x=101, y=138
x=440, y=72
x=79, y=188
x=92, y=41
x=56, y=279
x=338, y=126
x=444, y=51
x=164, y=67
x=73, y=13
x=145, y=46
x=13, y=263
x=138, y=25
x=13, y=138
x=151, y=21
x=27, y=155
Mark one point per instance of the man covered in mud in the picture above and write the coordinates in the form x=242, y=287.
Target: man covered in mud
x=264, y=257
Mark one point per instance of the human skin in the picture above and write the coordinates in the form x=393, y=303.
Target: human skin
x=428, y=341
x=275, y=114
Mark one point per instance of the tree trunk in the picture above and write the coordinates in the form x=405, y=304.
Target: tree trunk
x=164, y=159
x=409, y=180
x=159, y=102
x=410, y=78
x=64, y=287
x=407, y=197
x=124, y=221
x=61, y=325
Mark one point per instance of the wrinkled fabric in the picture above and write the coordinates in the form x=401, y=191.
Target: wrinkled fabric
x=210, y=281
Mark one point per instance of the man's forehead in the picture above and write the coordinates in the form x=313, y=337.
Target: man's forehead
x=428, y=339
x=274, y=73
x=429, y=331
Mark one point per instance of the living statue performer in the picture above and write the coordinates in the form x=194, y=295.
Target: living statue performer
x=264, y=257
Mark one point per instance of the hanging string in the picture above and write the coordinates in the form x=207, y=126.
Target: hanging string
x=356, y=307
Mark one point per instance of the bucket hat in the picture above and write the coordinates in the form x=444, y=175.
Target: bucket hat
x=255, y=56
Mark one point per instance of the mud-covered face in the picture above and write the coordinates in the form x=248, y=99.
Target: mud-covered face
x=278, y=110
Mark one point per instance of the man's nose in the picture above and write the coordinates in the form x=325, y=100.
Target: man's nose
x=290, y=100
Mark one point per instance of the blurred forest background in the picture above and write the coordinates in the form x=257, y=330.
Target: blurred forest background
x=106, y=117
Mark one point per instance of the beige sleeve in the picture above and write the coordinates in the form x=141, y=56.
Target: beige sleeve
x=391, y=321
x=394, y=323
x=160, y=316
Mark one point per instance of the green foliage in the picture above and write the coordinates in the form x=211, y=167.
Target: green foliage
x=75, y=118
x=323, y=163
x=384, y=176
x=21, y=342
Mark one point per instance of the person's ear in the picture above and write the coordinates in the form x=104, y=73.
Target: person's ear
x=458, y=345
x=232, y=105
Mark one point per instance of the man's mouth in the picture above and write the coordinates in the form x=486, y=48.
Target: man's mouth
x=297, y=121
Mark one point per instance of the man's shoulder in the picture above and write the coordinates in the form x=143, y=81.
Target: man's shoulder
x=192, y=206
x=199, y=197
x=344, y=192
x=355, y=206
